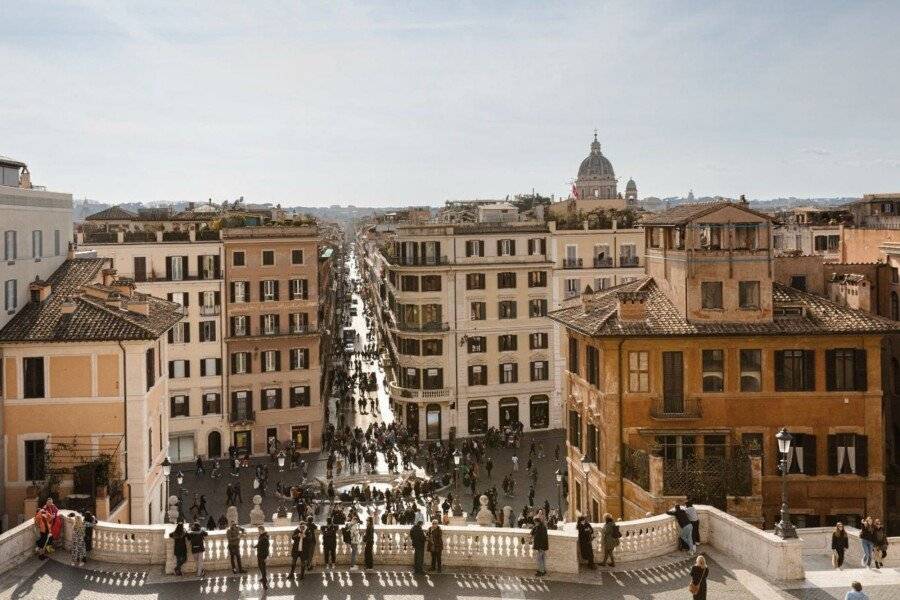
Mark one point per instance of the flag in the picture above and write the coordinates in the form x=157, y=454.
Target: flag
x=574, y=191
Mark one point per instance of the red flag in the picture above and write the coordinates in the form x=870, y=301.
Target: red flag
x=574, y=191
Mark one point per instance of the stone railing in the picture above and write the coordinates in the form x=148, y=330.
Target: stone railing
x=464, y=546
x=817, y=540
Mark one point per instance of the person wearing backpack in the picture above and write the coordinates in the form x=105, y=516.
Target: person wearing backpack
x=609, y=539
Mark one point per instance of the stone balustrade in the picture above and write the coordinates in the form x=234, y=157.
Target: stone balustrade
x=817, y=540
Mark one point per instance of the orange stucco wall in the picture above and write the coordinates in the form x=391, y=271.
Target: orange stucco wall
x=70, y=376
x=108, y=374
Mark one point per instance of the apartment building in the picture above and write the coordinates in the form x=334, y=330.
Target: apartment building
x=677, y=382
x=272, y=342
x=810, y=231
x=84, y=396
x=36, y=226
x=184, y=267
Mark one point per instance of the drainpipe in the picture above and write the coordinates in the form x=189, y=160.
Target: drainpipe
x=621, y=434
x=125, y=421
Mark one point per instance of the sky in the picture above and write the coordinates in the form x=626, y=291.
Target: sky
x=386, y=104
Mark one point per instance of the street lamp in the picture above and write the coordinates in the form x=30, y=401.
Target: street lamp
x=784, y=529
x=180, y=479
x=281, y=461
x=457, y=458
x=559, y=479
x=166, y=471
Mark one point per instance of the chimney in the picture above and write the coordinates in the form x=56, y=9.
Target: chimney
x=109, y=275
x=139, y=306
x=124, y=285
x=39, y=290
x=70, y=253
x=632, y=306
x=25, y=179
x=67, y=307
x=113, y=300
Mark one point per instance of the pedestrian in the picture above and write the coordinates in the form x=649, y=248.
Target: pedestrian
x=210, y=524
x=540, y=543
x=435, y=541
x=198, y=546
x=202, y=510
x=880, y=542
x=199, y=469
x=262, y=553
x=855, y=592
x=78, y=541
x=699, y=574
x=329, y=543
x=308, y=547
x=867, y=540
x=417, y=536
x=684, y=523
x=90, y=521
x=839, y=545
x=585, y=541
x=223, y=522
x=296, y=552
x=180, y=547
x=229, y=495
x=609, y=539
x=694, y=518
x=369, y=544
x=515, y=463
x=238, y=497
x=489, y=465
x=233, y=535
x=355, y=538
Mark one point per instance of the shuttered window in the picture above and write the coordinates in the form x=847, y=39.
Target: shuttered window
x=795, y=370
x=845, y=369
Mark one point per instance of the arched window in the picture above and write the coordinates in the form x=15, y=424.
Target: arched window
x=539, y=411
x=478, y=417
x=214, y=444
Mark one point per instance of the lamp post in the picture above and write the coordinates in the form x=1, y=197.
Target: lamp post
x=457, y=458
x=281, y=461
x=559, y=492
x=180, y=479
x=166, y=471
x=784, y=528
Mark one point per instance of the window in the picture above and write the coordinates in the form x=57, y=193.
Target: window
x=149, y=367
x=432, y=347
x=299, y=289
x=179, y=406
x=537, y=246
x=271, y=361
x=57, y=242
x=592, y=444
x=33, y=376
x=506, y=280
x=299, y=322
x=37, y=243
x=748, y=294
x=35, y=460
x=478, y=417
x=475, y=248
x=477, y=375
x=845, y=369
x=676, y=447
x=271, y=399
x=802, y=455
x=240, y=325
x=299, y=358
x=268, y=290
x=477, y=344
x=713, y=371
x=479, y=311
x=656, y=236
x=475, y=281
x=753, y=442
x=573, y=356
x=212, y=403
x=508, y=343
x=848, y=453
x=179, y=369
x=410, y=378
x=9, y=245
x=176, y=268
x=431, y=283
x=296, y=257
x=673, y=382
x=268, y=324
x=409, y=283
x=509, y=373
x=209, y=303
x=210, y=367
x=431, y=315
x=794, y=370
x=240, y=292
x=745, y=236
x=240, y=363
x=268, y=258
x=751, y=370
x=208, y=266
x=537, y=307
x=573, y=287
x=11, y=295
x=300, y=436
x=798, y=282
x=601, y=283
x=537, y=279
x=539, y=411
x=507, y=309
x=299, y=396
x=638, y=371
x=506, y=247
x=592, y=365
x=711, y=294
x=432, y=379
x=539, y=370
x=238, y=258
x=711, y=237
x=409, y=347
x=207, y=331
x=537, y=341
x=574, y=429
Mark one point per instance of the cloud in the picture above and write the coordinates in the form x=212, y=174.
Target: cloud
x=815, y=151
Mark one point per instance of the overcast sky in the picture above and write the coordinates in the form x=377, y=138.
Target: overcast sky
x=414, y=103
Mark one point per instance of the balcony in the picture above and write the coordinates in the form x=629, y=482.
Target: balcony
x=101, y=238
x=176, y=236
x=423, y=327
x=603, y=262
x=304, y=329
x=415, y=394
x=675, y=409
x=241, y=415
x=417, y=261
x=140, y=236
x=573, y=263
x=629, y=261
x=209, y=311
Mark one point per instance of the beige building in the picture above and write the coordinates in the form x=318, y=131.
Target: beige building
x=85, y=396
x=36, y=227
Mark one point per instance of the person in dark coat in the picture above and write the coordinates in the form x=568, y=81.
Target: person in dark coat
x=198, y=546
x=329, y=543
x=233, y=535
x=839, y=545
x=308, y=547
x=369, y=544
x=684, y=522
x=296, y=553
x=90, y=521
x=540, y=543
x=262, y=553
x=699, y=575
x=435, y=540
x=180, y=547
x=585, y=537
x=417, y=536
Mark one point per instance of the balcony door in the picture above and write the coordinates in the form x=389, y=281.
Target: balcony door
x=673, y=382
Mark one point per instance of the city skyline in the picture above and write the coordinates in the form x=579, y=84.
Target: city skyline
x=383, y=106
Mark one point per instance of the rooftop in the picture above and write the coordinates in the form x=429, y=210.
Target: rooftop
x=685, y=213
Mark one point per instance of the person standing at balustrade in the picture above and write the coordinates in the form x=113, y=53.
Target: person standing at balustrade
x=233, y=534
x=609, y=539
x=417, y=537
x=540, y=543
x=262, y=553
x=180, y=546
x=694, y=518
x=585, y=537
x=369, y=544
x=198, y=547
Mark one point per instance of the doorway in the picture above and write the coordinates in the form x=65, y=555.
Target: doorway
x=412, y=418
x=433, y=422
x=509, y=412
x=243, y=442
x=214, y=444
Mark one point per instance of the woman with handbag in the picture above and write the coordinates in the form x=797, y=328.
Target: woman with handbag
x=699, y=573
x=839, y=545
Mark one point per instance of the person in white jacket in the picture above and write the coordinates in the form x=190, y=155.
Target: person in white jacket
x=355, y=539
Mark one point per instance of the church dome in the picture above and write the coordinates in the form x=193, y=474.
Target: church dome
x=596, y=166
x=631, y=185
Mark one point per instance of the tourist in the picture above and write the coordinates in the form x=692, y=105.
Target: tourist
x=180, y=546
x=609, y=539
x=223, y=522
x=78, y=541
x=839, y=545
x=199, y=467
x=233, y=535
x=540, y=543
x=355, y=538
x=684, y=523
x=308, y=547
x=296, y=553
x=694, y=518
x=880, y=541
x=262, y=553
x=198, y=546
x=89, y=522
x=855, y=592
x=866, y=539
x=699, y=574
x=417, y=536
x=329, y=543
x=210, y=524
x=435, y=540
x=585, y=538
